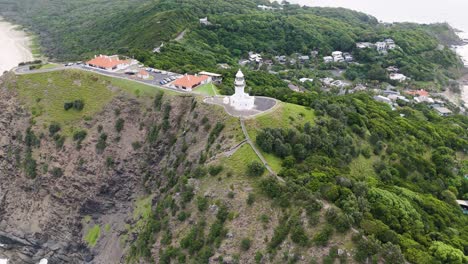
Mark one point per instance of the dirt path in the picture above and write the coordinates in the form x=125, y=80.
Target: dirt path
x=181, y=35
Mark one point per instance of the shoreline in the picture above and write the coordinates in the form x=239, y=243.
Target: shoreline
x=14, y=47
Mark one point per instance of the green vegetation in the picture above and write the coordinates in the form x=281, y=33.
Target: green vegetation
x=207, y=89
x=393, y=191
x=92, y=236
x=46, y=94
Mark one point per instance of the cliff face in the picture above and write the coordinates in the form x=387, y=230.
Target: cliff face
x=75, y=188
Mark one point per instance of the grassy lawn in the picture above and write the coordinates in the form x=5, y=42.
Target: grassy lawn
x=285, y=115
x=136, y=88
x=46, y=94
x=49, y=66
x=207, y=89
x=93, y=235
x=238, y=162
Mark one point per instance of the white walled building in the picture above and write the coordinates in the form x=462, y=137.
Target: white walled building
x=240, y=100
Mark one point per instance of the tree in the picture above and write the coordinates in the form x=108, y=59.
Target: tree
x=447, y=254
x=255, y=169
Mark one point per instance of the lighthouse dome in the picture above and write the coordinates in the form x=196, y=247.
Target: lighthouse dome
x=239, y=74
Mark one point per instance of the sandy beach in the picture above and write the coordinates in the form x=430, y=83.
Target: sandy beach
x=14, y=47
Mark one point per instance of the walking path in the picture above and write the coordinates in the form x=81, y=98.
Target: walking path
x=259, y=154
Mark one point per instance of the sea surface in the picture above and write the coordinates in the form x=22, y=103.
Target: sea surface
x=454, y=12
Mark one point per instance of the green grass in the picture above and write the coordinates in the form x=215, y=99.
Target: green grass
x=142, y=208
x=46, y=94
x=207, y=89
x=285, y=115
x=238, y=162
x=362, y=168
x=136, y=88
x=107, y=228
x=48, y=66
x=93, y=235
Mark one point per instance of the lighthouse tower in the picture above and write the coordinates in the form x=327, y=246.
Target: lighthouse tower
x=241, y=100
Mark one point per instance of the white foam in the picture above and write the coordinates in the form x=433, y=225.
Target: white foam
x=43, y=261
x=3, y=261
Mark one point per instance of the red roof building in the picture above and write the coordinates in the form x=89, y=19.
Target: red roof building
x=143, y=74
x=418, y=92
x=188, y=82
x=110, y=63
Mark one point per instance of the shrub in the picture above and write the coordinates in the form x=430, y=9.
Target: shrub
x=102, y=143
x=322, y=237
x=77, y=105
x=54, y=128
x=79, y=136
x=119, y=125
x=215, y=170
x=202, y=203
x=136, y=145
x=245, y=244
x=57, y=172
x=59, y=141
x=250, y=199
x=255, y=169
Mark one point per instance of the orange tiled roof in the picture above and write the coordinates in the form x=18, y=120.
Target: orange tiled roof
x=189, y=81
x=143, y=72
x=418, y=92
x=106, y=62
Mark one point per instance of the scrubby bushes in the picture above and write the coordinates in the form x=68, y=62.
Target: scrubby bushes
x=76, y=104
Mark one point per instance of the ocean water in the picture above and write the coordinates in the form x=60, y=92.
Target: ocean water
x=453, y=12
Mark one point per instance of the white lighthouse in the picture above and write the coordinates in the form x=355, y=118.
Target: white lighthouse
x=241, y=100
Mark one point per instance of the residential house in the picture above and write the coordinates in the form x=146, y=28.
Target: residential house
x=224, y=66
x=267, y=8
x=339, y=83
x=463, y=204
x=328, y=59
x=398, y=77
x=281, y=59
x=327, y=81
x=381, y=46
x=424, y=99
x=303, y=80
x=348, y=57
x=243, y=62
x=314, y=53
x=294, y=87
x=337, y=53
x=109, y=63
x=304, y=58
x=395, y=97
x=255, y=57
x=390, y=43
x=204, y=21
x=189, y=82
x=393, y=69
x=443, y=111
x=383, y=99
x=418, y=92
x=364, y=45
